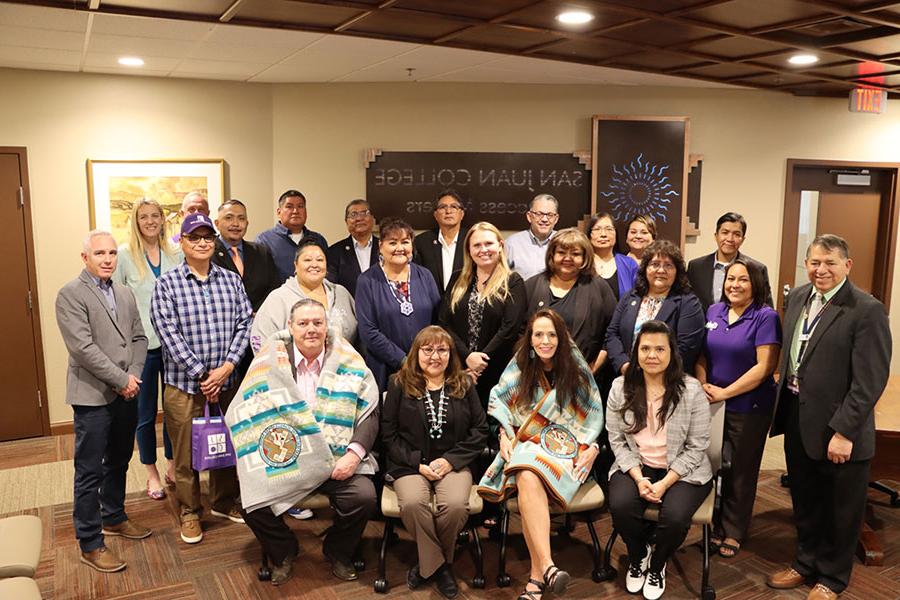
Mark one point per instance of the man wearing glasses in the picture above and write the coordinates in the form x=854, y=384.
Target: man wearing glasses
x=357, y=252
x=441, y=250
x=202, y=315
x=284, y=239
x=526, y=250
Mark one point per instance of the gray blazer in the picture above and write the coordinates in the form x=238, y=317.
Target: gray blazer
x=687, y=434
x=103, y=349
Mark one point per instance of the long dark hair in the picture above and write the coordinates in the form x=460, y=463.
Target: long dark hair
x=569, y=377
x=663, y=249
x=758, y=283
x=410, y=376
x=636, y=390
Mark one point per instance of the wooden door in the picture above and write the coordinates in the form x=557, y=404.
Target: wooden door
x=23, y=410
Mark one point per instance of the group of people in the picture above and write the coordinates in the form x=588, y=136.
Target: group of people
x=524, y=365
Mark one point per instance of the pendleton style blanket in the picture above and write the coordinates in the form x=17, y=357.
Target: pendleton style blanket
x=546, y=440
x=287, y=445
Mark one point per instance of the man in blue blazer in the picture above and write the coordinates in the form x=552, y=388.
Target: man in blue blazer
x=354, y=254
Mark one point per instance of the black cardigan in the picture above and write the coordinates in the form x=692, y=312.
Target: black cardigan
x=404, y=431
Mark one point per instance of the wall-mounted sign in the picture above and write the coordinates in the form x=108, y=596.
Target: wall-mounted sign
x=868, y=100
x=495, y=186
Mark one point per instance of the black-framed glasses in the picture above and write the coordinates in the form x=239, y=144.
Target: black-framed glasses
x=543, y=215
x=431, y=351
x=195, y=239
x=449, y=207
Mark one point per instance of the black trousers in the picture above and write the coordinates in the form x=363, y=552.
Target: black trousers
x=354, y=503
x=745, y=436
x=679, y=504
x=829, y=507
x=104, y=442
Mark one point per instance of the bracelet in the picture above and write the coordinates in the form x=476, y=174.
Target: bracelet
x=643, y=479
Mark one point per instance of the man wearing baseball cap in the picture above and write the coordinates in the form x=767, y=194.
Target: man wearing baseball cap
x=202, y=316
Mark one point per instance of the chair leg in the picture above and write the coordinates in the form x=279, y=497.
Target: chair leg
x=381, y=584
x=503, y=579
x=478, y=580
x=607, y=572
x=707, y=592
x=596, y=575
x=264, y=573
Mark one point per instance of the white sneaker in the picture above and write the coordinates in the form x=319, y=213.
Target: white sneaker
x=637, y=573
x=655, y=585
x=300, y=513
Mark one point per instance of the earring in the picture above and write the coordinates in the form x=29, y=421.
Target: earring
x=531, y=353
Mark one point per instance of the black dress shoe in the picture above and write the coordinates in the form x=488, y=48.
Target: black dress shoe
x=414, y=579
x=446, y=582
x=342, y=570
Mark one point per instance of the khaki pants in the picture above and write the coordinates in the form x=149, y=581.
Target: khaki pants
x=180, y=408
x=435, y=532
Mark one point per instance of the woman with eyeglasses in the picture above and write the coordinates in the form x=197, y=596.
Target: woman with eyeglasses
x=550, y=414
x=569, y=287
x=310, y=268
x=740, y=353
x=661, y=292
x=641, y=232
x=617, y=270
x=394, y=301
x=433, y=427
x=148, y=255
x=658, y=422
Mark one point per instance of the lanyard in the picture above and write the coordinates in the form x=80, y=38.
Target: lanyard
x=806, y=331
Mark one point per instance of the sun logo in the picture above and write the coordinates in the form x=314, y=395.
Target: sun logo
x=639, y=188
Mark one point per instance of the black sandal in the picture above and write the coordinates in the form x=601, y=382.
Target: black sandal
x=556, y=580
x=532, y=594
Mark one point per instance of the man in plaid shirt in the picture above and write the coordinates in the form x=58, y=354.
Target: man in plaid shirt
x=202, y=315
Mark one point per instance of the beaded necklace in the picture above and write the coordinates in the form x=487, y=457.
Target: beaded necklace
x=435, y=417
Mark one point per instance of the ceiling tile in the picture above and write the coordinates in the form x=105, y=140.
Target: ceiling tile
x=655, y=60
x=748, y=14
x=544, y=15
x=125, y=71
x=406, y=25
x=885, y=45
x=197, y=7
x=231, y=52
x=733, y=47
x=41, y=38
x=723, y=71
x=595, y=50
x=167, y=29
x=47, y=56
x=483, y=9
x=333, y=55
x=260, y=36
x=428, y=61
x=658, y=33
x=503, y=38
x=18, y=15
x=214, y=67
x=110, y=61
x=138, y=46
x=295, y=13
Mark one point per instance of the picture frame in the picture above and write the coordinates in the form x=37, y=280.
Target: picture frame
x=115, y=185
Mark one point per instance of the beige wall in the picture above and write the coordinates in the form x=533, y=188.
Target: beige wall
x=312, y=136
x=64, y=119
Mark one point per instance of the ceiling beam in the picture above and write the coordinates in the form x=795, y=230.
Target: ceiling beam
x=838, y=9
x=364, y=15
x=230, y=11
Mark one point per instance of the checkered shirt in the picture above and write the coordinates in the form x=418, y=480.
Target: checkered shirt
x=201, y=324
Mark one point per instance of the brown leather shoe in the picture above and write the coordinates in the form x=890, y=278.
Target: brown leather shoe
x=127, y=529
x=785, y=579
x=821, y=592
x=103, y=560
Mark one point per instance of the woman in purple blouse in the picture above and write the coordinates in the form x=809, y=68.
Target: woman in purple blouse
x=743, y=342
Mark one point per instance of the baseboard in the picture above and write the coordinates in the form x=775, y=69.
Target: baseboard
x=66, y=427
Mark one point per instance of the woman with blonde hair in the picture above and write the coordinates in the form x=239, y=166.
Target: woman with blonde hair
x=433, y=428
x=484, y=307
x=148, y=255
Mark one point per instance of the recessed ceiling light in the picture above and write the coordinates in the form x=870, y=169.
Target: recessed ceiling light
x=574, y=17
x=131, y=61
x=803, y=59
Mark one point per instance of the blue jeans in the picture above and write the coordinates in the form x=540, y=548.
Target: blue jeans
x=104, y=443
x=147, y=407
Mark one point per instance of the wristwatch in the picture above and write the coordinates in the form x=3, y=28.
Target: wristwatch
x=203, y=376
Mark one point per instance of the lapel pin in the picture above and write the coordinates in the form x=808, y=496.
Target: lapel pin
x=712, y=325
x=346, y=247
x=541, y=303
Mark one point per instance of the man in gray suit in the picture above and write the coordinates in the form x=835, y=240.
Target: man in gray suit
x=835, y=365
x=101, y=328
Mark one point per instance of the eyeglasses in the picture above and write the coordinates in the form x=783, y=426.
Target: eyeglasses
x=359, y=214
x=196, y=239
x=431, y=351
x=658, y=266
x=603, y=229
x=540, y=216
x=449, y=207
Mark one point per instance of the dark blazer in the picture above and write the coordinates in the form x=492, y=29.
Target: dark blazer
x=700, y=274
x=343, y=268
x=681, y=312
x=260, y=273
x=427, y=252
x=365, y=433
x=386, y=334
x=843, y=373
x=594, y=302
x=405, y=434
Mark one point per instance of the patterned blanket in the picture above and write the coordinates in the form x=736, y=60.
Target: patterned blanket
x=285, y=447
x=546, y=440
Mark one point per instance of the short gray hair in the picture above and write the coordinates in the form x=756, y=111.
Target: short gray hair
x=94, y=233
x=831, y=242
x=547, y=197
x=306, y=302
x=190, y=195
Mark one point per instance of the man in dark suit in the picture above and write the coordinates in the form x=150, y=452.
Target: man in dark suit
x=101, y=327
x=351, y=256
x=707, y=273
x=834, y=368
x=253, y=262
x=441, y=250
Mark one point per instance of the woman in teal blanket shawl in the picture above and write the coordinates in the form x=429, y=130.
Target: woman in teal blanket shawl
x=550, y=414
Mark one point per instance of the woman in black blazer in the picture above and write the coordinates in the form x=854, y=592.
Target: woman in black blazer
x=661, y=292
x=483, y=309
x=433, y=427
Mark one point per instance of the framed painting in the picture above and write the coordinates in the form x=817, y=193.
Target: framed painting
x=640, y=167
x=115, y=185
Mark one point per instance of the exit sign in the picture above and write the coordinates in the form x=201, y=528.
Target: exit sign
x=868, y=100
